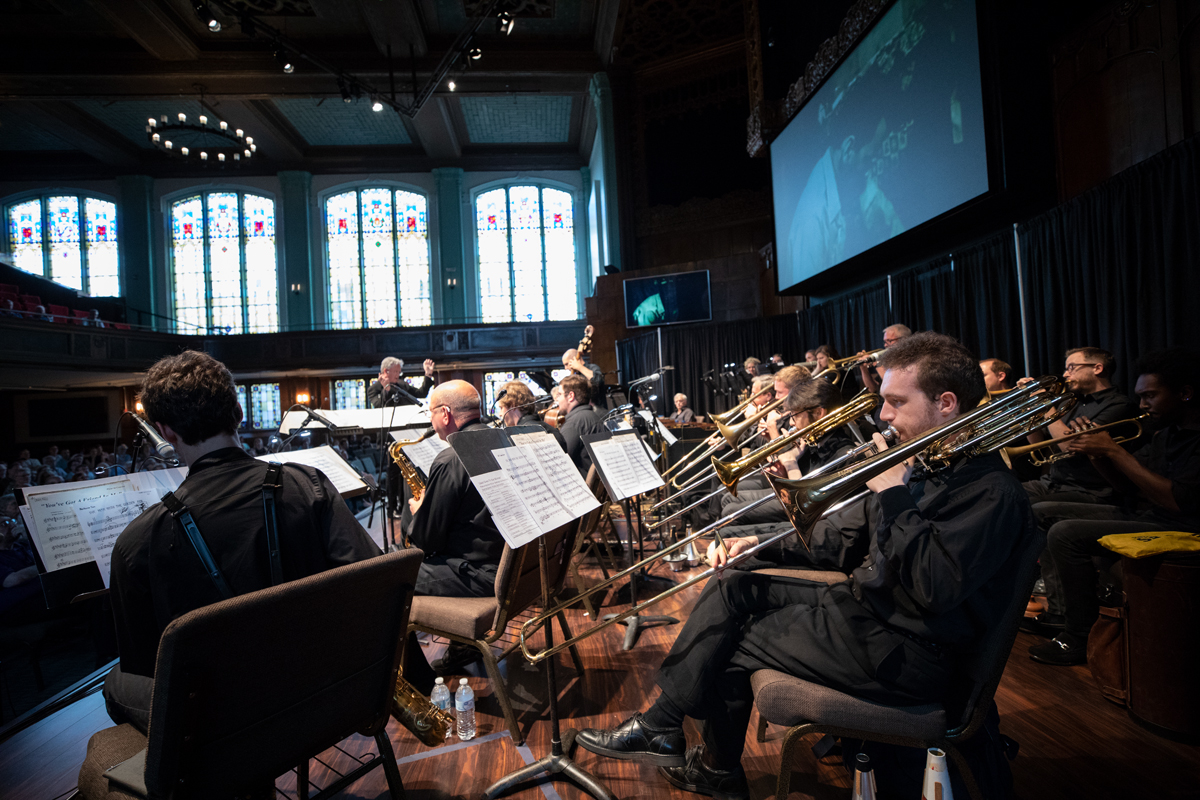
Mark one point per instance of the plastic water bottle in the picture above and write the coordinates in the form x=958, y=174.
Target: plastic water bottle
x=464, y=710
x=441, y=699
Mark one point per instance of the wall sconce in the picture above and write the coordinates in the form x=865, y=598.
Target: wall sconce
x=452, y=283
x=302, y=398
x=139, y=408
x=297, y=288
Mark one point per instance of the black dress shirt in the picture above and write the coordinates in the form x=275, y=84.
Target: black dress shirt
x=936, y=559
x=453, y=520
x=157, y=575
x=580, y=422
x=1174, y=453
x=1103, y=407
x=378, y=398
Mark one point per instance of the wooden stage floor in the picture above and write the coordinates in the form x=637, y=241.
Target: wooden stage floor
x=1073, y=742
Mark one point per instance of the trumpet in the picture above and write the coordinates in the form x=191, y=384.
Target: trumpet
x=982, y=430
x=1047, y=452
x=531, y=625
x=754, y=463
x=838, y=366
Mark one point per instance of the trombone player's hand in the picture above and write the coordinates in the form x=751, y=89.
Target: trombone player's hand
x=720, y=557
x=896, y=476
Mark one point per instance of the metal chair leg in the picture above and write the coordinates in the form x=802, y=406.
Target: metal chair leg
x=566, y=630
x=390, y=769
x=493, y=671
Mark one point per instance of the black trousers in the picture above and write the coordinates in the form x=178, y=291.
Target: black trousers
x=1047, y=497
x=443, y=577
x=745, y=621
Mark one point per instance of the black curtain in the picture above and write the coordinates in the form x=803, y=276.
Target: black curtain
x=1118, y=267
x=923, y=298
x=988, y=302
x=694, y=349
x=850, y=322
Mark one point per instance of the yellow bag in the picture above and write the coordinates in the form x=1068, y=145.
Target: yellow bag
x=1151, y=543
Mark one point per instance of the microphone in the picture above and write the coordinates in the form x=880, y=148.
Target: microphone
x=647, y=379
x=334, y=430
x=395, y=389
x=164, y=448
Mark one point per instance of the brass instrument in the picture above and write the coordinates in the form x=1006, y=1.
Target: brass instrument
x=733, y=433
x=416, y=484
x=1047, y=452
x=982, y=430
x=414, y=711
x=838, y=366
x=729, y=416
x=730, y=472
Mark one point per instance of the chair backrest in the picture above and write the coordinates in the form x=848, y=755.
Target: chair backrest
x=980, y=672
x=248, y=688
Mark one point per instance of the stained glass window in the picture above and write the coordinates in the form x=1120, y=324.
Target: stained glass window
x=526, y=249
x=71, y=239
x=224, y=263
x=492, y=381
x=264, y=406
x=349, y=394
x=241, y=393
x=377, y=250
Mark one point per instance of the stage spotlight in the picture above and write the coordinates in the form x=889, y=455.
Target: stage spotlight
x=206, y=16
x=505, y=23
x=282, y=57
x=377, y=106
x=452, y=85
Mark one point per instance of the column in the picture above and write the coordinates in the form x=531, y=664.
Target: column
x=137, y=249
x=451, y=248
x=606, y=139
x=296, y=249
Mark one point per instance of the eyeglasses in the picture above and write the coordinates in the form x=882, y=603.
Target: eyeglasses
x=888, y=340
x=1070, y=368
x=435, y=408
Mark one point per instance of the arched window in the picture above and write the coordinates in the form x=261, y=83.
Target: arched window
x=377, y=250
x=70, y=239
x=526, y=247
x=223, y=263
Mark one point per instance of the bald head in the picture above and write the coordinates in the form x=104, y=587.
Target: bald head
x=452, y=405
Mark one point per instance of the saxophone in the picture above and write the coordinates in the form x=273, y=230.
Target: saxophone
x=414, y=711
x=416, y=484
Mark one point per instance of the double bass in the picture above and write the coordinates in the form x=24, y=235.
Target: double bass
x=554, y=416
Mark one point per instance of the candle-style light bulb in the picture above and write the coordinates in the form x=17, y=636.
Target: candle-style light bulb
x=182, y=117
x=224, y=125
x=203, y=120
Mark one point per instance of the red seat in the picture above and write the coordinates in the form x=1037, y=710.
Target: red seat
x=121, y=326
x=31, y=300
x=80, y=316
x=9, y=288
x=60, y=313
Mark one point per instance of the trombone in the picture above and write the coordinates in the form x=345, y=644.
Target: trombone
x=753, y=463
x=725, y=417
x=839, y=366
x=733, y=434
x=1047, y=452
x=982, y=430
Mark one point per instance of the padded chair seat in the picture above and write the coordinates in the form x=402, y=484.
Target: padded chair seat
x=787, y=700
x=105, y=749
x=468, y=617
x=818, y=575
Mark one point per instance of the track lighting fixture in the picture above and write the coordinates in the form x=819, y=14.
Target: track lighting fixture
x=206, y=16
x=284, y=61
x=376, y=105
x=475, y=53
x=505, y=23
x=452, y=85
x=346, y=96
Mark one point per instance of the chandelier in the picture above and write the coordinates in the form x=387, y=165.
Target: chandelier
x=203, y=143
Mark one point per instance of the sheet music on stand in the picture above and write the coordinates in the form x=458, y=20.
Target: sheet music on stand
x=369, y=419
x=528, y=483
x=662, y=430
x=623, y=463
x=343, y=476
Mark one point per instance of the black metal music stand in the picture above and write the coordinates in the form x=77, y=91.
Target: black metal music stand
x=635, y=622
x=557, y=762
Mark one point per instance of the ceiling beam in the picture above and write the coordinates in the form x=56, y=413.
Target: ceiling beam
x=394, y=26
x=274, y=135
x=435, y=131
x=609, y=17
x=152, y=26
x=79, y=129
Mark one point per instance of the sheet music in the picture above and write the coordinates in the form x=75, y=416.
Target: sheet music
x=103, y=525
x=512, y=518
x=340, y=474
x=568, y=485
x=56, y=531
x=534, y=492
x=647, y=477
x=369, y=419
x=610, y=459
x=422, y=454
x=663, y=430
x=158, y=481
x=534, y=438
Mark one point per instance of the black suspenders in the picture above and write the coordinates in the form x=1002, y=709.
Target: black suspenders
x=271, y=485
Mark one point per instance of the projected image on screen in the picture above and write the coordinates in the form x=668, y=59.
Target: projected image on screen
x=667, y=299
x=893, y=138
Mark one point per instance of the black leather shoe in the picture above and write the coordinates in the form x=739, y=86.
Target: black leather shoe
x=696, y=776
x=1062, y=651
x=1044, y=624
x=632, y=739
x=456, y=657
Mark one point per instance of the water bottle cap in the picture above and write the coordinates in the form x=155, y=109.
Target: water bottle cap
x=439, y=681
x=462, y=681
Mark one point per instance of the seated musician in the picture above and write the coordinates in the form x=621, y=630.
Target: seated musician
x=577, y=419
x=157, y=574
x=1088, y=373
x=937, y=562
x=451, y=524
x=682, y=414
x=516, y=408
x=389, y=389
x=1164, y=474
x=591, y=373
x=808, y=403
x=995, y=375
x=868, y=373
x=784, y=381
